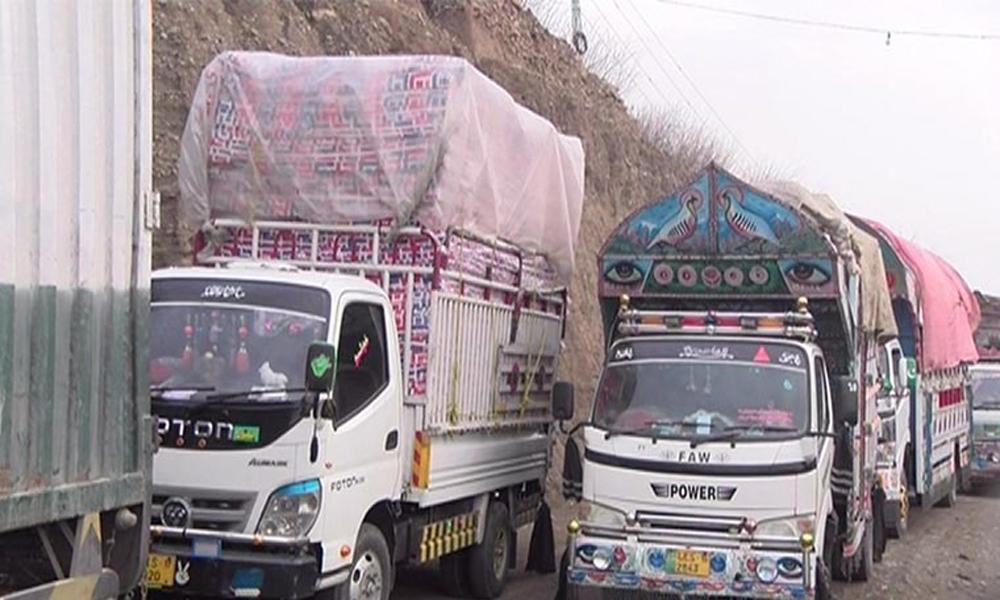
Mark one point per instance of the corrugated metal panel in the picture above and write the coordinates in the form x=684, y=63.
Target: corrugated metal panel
x=74, y=163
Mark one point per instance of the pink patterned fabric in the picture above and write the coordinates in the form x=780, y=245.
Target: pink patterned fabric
x=949, y=311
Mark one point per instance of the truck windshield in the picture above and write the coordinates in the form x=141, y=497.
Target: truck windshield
x=986, y=390
x=683, y=391
x=232, y=336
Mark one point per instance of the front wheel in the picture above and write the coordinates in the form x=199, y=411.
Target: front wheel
x=488, y=560
x=371, y=572
x=899, y=522
x=951, y=497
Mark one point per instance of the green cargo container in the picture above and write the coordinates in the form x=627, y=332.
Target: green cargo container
x=75, y=219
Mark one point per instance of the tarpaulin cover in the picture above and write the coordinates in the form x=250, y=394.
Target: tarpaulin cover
x=948, y=310
x=859, y=250
x=424, y=139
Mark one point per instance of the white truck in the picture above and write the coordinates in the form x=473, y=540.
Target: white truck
x=339, y=395
x=985, y=392
x=730, y=449
x=924, y=453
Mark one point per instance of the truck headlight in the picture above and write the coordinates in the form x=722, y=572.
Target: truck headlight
x=785, y=528
x=291, y=511
x=606, y=516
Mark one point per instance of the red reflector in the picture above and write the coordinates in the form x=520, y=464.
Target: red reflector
x=692, y=322
x=762, y=356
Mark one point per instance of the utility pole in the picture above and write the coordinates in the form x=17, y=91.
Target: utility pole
x=579, y=38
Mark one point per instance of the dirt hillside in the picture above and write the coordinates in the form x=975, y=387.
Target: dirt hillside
x=500, y=36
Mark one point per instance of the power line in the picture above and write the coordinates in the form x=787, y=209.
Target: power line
x=639, y=68
x=642, y=92
x=687, y=77
x=652, y=55
x=835, y=25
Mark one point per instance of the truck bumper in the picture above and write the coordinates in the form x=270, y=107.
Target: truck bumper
x=630, y=567
x=230, y=569
x=986, y=460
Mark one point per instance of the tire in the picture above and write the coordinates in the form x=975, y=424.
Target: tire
x=951, y=497
x=561, y=592
x=964, y=483
x=454, y=574
x=864, y=562
x=371, y=571
x=824, y=562
x=488, y=560
x=897, y=526
x=823, y=591
x=879, y=533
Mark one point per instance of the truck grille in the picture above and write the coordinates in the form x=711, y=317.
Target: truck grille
x=218, y=511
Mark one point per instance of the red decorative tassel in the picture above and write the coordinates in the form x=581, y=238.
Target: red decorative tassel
x=242, y=360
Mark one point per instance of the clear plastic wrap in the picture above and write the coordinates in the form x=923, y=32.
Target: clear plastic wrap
x=418, y=139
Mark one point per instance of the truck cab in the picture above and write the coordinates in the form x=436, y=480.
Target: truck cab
x=985, y=394
x=250, y=462
x=697, y=420
x=895, y=381
x=765, y=309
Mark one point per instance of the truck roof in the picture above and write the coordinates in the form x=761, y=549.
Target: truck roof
x=945, y=306
x=277, y=273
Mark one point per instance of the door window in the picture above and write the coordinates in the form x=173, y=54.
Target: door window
x=822, y=395
x=362, y=361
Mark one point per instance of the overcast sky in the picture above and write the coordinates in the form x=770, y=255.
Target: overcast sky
x=906, y=133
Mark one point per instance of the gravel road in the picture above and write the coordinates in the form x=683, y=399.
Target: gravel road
x=947, y=553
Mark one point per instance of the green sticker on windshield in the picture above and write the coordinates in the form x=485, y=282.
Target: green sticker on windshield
x=320, y=365
x=248, y=434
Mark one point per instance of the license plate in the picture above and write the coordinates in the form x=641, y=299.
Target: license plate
x=687, y=562
x=160, y=571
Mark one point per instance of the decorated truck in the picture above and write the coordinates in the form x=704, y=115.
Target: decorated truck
x=731, y=446
x=985, y=392
x=360, y=369
x=924, y=449
x=76, y=209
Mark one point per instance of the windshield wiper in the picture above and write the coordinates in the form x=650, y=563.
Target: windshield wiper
x=734, y=431
x=182, y=388
x=221, y=398
x=647, y=428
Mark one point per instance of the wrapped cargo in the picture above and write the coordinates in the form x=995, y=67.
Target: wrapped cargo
x=425, y=140
x=948, y=311
x=859, y=249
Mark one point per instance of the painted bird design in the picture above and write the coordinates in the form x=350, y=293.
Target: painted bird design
x=681, y=225
x=743, y=221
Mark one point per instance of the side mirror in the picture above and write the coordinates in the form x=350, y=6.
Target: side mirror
x=903, y=370
x=572, y=471
x=563, y=406
x=886, y=384
x=845, y=399
x=911, y=370
x=321, y=365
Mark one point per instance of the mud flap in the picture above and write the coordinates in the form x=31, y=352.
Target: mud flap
x=542, y=549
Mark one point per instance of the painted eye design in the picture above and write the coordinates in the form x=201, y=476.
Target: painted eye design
x=789, y=567
x=623, y=273
x=803, y=273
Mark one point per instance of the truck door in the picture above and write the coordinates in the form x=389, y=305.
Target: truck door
x=362, y=453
